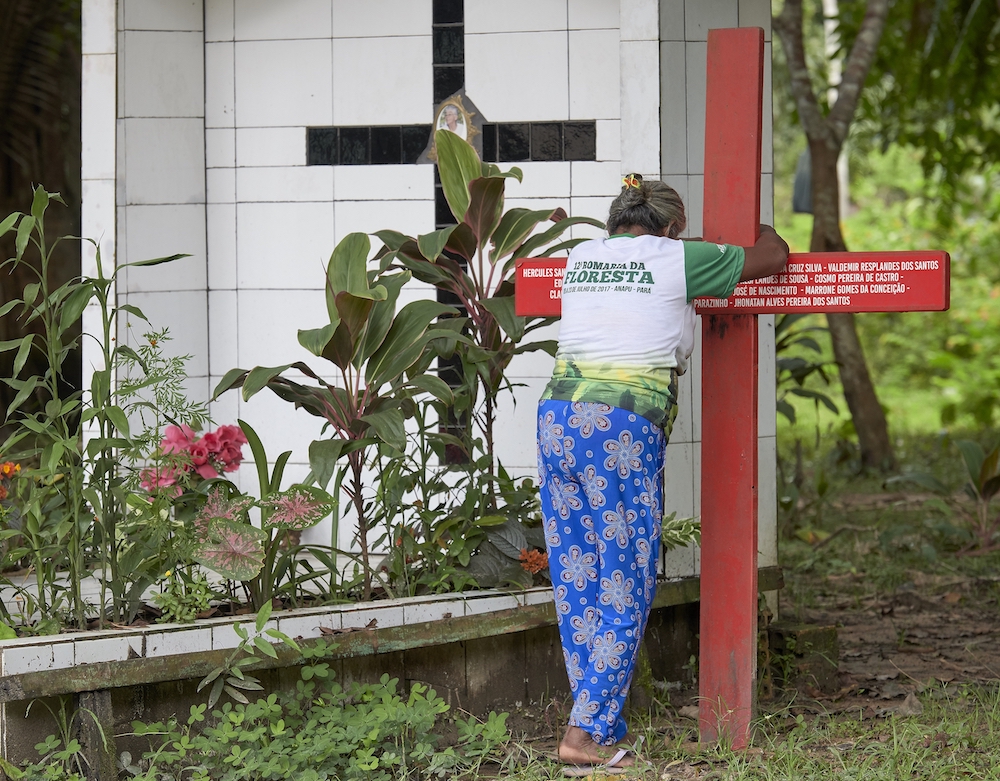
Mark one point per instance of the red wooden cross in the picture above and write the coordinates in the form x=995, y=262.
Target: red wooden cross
x=812, y=282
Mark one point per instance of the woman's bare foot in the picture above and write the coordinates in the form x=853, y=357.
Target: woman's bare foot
x=578, y=748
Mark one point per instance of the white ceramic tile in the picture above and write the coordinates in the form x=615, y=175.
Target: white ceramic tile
x=164, y=74
x=767, y=502
x=104, y=649
x=756, y=13
x=226, y=408
x=268, y=20
x=596, y=208
x=120, y=159
x=593, y=14
x=673, y=108
x=265, y=146
x=98, y=116
x=224, y=637
x=273, y=340
x=678, y=487
x=671, y=20
x=609, y=139
x=767, y=134
x=270, y=90
x=395, y=17
x=475, y=606
x=421, y=612
x=219, y=20
x=158, y=15
x=696, y=55
x=640, y=87
x=220, y=85
x=683, y=430
x=640, y=20
x=496, y=77
x=695, y=204
x=184, y=314
x=409, y=217
x=19, y=659
x=283, y=245
x=220, y=184
x=696, y=389
x=97, y=207
x=164, y=161
x=365, y=613
x=538, y=596
x=98, y=27
x=160, y=231
x=592, y=178
x=697, y=488
x=223, y=315
x=594, y=74
x=541, y=180
x=299, y=183
x=510, y=16
x=767, y=199
x=383, y=182
x=536, y=364
x=700, y=16
x=221, y=228
x=220, y=147
x=677, y=563
x=398, y=91
x=308, y=626
x=766, y=412
x=514, y=440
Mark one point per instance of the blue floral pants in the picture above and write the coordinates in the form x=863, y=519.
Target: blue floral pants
x=601, y=480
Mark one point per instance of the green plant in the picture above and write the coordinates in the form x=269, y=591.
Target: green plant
x=74, y=494
x=321, y=731
x=184, y=596
x=474, y=261
x=793, y=368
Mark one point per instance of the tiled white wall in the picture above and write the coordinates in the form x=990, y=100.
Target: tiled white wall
x=213, y=98
x=683, y=35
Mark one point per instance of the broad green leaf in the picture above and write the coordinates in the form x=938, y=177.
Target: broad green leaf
x=514, y=228
x=323, y=456
x=382, y=314
x=394, y=240
x=74, y=305
x=23, y=351
x=485, y=207
x=388, y=426
x=462, y=242
x=9, y=305
x=234, y=550
x=315, y=340
x=458, y=165
x=233, y=379
x=39, y=203
x=502, y=308
x=491, y=169
x=156, y=261
x=24, y=229
x=989, y=467
x=118, y=419
x=435, y=386
x=974, y=457
x=263, y=616
x=509, y=538
x=340, y=349
x=100, y=387
x=354, y=312
x=8, y=222
x=265, y=647
x=404, y=342
x=432, y=244
x=259, y=377
x=26, y=390
x=133, y=310
x=546, y=346
x=347, y=271
x=552, y=233
x=822, y=398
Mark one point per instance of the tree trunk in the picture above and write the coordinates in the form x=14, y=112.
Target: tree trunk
x=826, y=135
x=859, y=392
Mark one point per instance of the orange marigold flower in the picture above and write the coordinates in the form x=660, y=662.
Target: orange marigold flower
x=3, y=493
x=533, y=561
x=9, y=469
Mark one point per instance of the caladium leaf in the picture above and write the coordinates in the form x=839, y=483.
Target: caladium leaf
x=297, y=508
x=234, y=550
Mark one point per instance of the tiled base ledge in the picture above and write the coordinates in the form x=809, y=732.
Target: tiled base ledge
x=41, y=667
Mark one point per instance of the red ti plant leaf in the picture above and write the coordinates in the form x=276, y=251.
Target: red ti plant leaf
x=233, y=550
x=297, y=508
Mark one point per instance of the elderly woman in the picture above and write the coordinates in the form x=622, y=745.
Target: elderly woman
x=627, y=332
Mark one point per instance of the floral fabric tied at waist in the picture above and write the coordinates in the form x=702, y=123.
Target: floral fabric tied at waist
x=651, y=393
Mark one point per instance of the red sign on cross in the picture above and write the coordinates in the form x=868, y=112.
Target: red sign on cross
x=811, y=282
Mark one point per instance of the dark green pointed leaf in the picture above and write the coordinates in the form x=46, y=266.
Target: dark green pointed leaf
x=404, y=342
x=26, y=390
x=233, y=379
x=392, y=239
x=380, y=319
x=9, y=305
x=39, y=203
x=388, y=426
x=74, y=305
x=23, y=351
x=485, y=207
x=551, y=234
x=491, y=169
x=24, y=229
x=431, y=244
x=974, y=457
x=502, y=308
x=458, y=165
x=258, y=378
x=347, y=271
x=462, y=242
x=514, y=228
x=354, y=311
x=323, y=457
x=118, y=419
x=157, y=261
x=340, y=349
x=315, y=340
x=8, y=222
x=435, y=386
x=133, y=310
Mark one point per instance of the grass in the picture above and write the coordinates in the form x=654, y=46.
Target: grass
x=849, y=541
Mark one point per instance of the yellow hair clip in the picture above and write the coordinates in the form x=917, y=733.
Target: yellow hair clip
x=632, y=181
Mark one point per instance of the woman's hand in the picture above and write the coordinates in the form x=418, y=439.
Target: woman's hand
x=765, y=258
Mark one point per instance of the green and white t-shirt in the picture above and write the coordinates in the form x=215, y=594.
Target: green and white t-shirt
x=627, y=319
